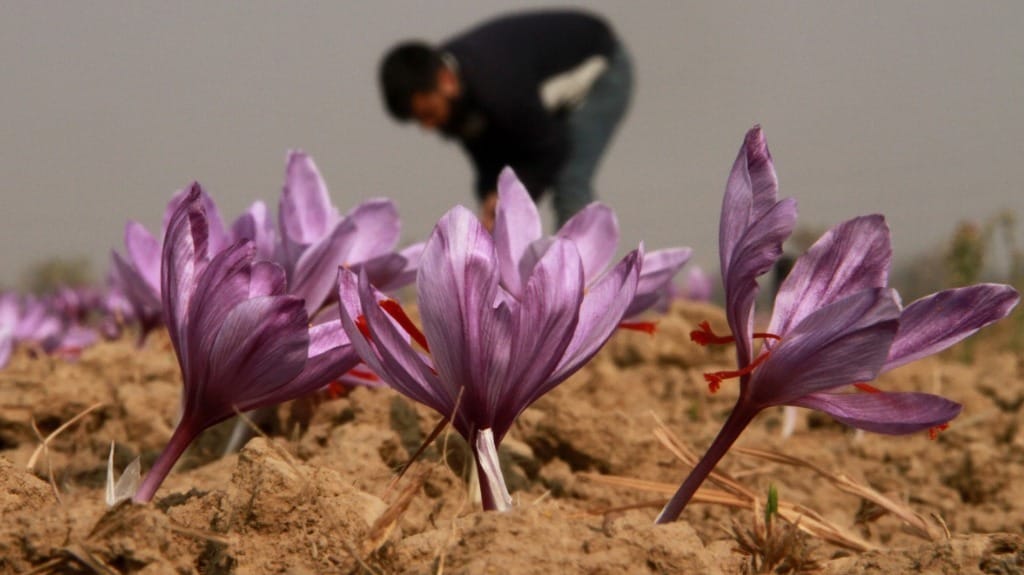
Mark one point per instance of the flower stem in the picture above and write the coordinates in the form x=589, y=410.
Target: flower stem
x=493, y=492
x=738, y=420
x=180, y=440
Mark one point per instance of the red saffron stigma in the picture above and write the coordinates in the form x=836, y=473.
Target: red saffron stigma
x=364, y=328
x=645, y=326
x=867, y=388
x=394, y=309
x=933, y=433
x=336, y=389
x=704, y=335
x=363, y=375
x=715, y=378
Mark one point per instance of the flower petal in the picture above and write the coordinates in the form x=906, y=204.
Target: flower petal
x=595, y=230
x=542, y=327
x=316, y=270
x=755, y=253
x=458, y=286
x=840, y=344
x=260, y=347
x=655, y=284
x=267, y=278
x=144, y=253
x=600, y=313
x=516, y=225
x=379, y=229
x=852, y=256
x=750, y=192
x=886, y=412
x=184, y=258
x=305, y=214
x=933, y=323
x=255, y=225
x=217, y=237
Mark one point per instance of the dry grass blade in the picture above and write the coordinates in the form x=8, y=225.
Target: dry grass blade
x=915, y=523
x=46, y=442
x=804, y=518
x=385, y=524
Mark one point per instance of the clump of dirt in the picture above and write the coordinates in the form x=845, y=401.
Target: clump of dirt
x=587, y=471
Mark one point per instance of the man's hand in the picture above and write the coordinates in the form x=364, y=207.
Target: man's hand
x=488, y=209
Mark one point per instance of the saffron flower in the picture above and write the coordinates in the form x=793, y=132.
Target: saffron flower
x=315, y=239
x=492, y=352
x=241, y=341
x=835, y=324
x=595, y=232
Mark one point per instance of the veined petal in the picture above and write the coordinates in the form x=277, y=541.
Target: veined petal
x=750, y=193
x=255, y=225
x=143, y=299
x=412, y=380
x=840, y=344
x=316, y=269
x=655, y=284
x=184, y=259
x=889, y=413
x=267, y=278
x=223, y=285
x=600, y=313
x=458, y=285
x=517, y=224
x=410, y=259
x=144, y=253
x=305, y=213
x=755, y=253
x=259, y=348
x=933, y=323
x=595, y=231
x=852, y=256
x=379, y=229
x=217, y=237
x=543, y=325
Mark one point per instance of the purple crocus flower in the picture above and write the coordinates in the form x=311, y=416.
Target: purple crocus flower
x=835, y=325
x=595, y=231
x=698, y=285
x=256, y=225
x=138, y=276
x=493, y=352
x=242, y=342
x=315, y=239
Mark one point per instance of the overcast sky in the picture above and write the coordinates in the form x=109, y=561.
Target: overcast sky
x=911, y=109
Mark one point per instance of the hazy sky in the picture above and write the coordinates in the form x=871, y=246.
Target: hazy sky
x=912, y=109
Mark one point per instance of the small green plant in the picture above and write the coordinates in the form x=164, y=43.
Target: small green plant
x=774, y=548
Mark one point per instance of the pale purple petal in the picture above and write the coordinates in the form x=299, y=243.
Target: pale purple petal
x=217, y=237
x=517, y=224
x=379, y=230
x=852, y=256
x=602, y=310
x=412, y=378
x=756, y=252
x=542, y=328
x=267, y=278
x=933, y=323
x=255, y=225
x=887, y=412
x=457, y=287
x=390, y=280
x=655, y=285
x=595, y=230
x=144, y=301
x=840, y=344
x=305, y=213
x=144, y=252
x=698, y=284
x=750, y=193
x=317, y=268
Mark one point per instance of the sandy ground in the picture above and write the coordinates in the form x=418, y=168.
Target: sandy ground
x=588, y=465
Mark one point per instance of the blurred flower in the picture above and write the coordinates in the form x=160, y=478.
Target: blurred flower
x=835, y=325
x=241, y=341
x=698, y=284
x=595, y=232
x=315, y=239
x=493, y=351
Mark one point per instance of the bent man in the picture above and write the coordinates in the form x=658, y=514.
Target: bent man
x=542, y=92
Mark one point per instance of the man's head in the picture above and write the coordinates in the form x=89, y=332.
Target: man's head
x=417, y=85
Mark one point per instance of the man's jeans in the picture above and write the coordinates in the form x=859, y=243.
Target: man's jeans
x=591, y=127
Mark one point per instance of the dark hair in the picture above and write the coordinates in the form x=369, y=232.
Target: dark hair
x=408, y=68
